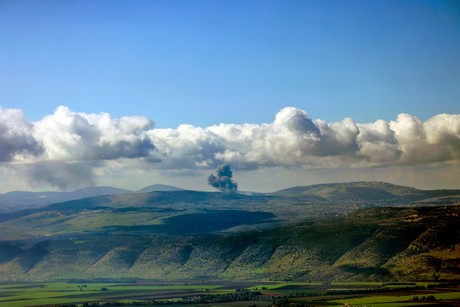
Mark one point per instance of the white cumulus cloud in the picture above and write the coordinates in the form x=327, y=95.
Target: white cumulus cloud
x=293, y=138
x=66, y=148
x=16, y=136
x=68, y=135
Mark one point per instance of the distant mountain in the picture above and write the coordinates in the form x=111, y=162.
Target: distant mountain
x=344, y=231
x=250, y=193
x=364, y=191
x=97, y=191
x=159, y=187
x=18, y=200
x=331, y=189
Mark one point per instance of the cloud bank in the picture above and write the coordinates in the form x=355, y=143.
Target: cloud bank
x=293, y=138
x=66, y=149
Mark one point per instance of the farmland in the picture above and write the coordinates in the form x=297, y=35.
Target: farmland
x=228, y=293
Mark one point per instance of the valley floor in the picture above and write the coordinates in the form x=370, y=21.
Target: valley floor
x=222, y=293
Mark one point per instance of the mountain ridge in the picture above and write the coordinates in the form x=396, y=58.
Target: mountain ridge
x=158, y=187
x=18, y=200
x=185, y=234
x=364, y=191
x=371, y=244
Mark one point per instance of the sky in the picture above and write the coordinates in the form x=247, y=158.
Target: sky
x=132, y=93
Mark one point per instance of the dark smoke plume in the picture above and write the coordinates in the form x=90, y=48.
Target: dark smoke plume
x=223, y=179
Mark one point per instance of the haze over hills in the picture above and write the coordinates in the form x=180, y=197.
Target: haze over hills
x=14, y=201
x=343, y=231
x=366, y=191
x=351, y=191
x=350, y=188
x=159, y=187
x=18, y=200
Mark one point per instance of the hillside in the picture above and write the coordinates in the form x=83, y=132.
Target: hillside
x=371, y=244
x=15, y=201
x=202, y=235
x=364, y=191
x=19, y=200
x=158, y=187
x=373, y=193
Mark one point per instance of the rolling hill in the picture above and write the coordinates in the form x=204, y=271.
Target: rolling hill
x=329, y=232
x=18, y=200
x=158, y=187
x=365, y=191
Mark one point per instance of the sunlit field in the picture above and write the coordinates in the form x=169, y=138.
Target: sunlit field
x=228, y=294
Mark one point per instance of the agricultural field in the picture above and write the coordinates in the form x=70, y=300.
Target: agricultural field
x=33, y=294
x=222, y=293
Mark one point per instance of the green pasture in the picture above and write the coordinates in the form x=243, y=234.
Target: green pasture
x=279, y=285
x=104, y=219
x=55, y=224
x=30, y=294
x=316, y=293
x=47, y=293
x=337, y=285
x=403, y=300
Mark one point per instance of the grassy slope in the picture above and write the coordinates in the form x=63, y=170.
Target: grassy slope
x=371, y=244
x=364, y=191
x=188, y=234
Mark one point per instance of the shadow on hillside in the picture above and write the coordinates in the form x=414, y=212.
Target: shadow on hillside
x=206, y=222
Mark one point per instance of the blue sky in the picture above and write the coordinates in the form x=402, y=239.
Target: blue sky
x=95, y=92
x=207, y=62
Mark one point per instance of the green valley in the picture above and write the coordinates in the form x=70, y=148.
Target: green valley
x=313, y=235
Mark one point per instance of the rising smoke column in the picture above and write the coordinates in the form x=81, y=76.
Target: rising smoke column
x=223, y=179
